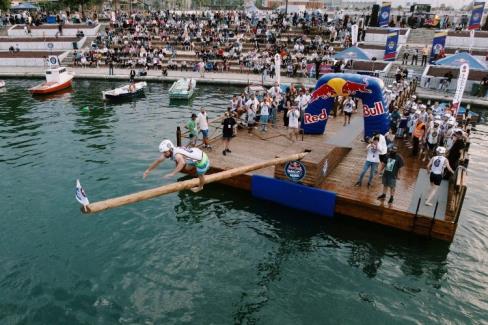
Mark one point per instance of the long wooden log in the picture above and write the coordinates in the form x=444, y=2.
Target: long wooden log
x=184, y=185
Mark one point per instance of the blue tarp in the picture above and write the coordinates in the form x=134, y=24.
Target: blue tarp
x=353, y=53
x=462, y=57
x=25, y=6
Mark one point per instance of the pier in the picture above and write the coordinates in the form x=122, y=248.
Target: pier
x=333, y=165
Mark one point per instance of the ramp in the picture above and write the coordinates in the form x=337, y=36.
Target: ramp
x=421, y=189
x=348, y=133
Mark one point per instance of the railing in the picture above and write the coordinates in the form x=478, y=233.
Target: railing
x=433, y=219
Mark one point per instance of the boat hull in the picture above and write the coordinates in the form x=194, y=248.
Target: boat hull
x=49, y=87
x=125, y=96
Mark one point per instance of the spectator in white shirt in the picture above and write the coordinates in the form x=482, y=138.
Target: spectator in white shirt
x=202, y=123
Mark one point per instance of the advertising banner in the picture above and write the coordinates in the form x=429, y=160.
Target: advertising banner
x=438, y=43
x=476, y=15
x=391, y=45
x=384, y=18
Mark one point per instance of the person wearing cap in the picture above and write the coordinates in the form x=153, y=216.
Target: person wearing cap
x=183, y=157
x=417, y=136
x=390, y=173
x=436, y=167
x=191, y=126
x=432, y=140
x=454, y=155
x=227, y=130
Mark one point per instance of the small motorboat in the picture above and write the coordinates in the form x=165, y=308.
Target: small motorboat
x=125, y=92
x=57, y=78
x=257, y=90
x=182, y=89
x=2, y=83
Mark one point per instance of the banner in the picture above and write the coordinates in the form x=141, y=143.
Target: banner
x=391, y=45
x=354, y=34
x=438, y=43
x=277, y=60
x=476, y=15
x=384, y=18
x=461, y=85
x=471, y=40
x=368, y=89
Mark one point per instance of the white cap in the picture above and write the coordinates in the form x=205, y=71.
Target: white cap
x=165, y=145
x=441, y=150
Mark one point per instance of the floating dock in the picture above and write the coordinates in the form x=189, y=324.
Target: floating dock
x=329, y=172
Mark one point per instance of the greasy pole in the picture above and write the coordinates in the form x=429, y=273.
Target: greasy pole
x=184, y=185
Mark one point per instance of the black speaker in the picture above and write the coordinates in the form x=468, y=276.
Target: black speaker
x=373, y=22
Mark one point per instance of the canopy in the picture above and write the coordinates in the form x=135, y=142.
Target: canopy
x=353, y=53
x=462, y=57
x=25, y=6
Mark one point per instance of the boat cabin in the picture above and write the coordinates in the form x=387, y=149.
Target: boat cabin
x=58, y=75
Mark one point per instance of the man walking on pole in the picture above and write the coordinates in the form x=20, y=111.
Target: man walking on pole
x=183, y=156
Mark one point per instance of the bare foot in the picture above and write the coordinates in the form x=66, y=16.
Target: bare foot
x=196, y=189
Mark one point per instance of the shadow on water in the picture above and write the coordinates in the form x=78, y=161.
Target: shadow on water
x=295, y=233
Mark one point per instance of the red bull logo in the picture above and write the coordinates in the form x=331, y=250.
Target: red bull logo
x=378, y=109
x=351, y=88
x=324, y=91
x=310, y=118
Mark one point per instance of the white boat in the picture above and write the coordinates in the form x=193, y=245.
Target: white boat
x=2, y=83
x=182, y=89
x=57, y=78
x=125, y=92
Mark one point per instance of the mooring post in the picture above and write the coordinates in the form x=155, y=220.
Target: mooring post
x=178, y=136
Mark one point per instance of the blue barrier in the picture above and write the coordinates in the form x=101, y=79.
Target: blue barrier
x=294, y=195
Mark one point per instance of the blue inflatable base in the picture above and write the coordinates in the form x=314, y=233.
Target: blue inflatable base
x=294, y=195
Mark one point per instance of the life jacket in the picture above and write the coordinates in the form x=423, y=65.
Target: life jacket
x=419, y=131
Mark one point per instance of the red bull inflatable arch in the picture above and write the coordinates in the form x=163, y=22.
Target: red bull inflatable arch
x=368, y=89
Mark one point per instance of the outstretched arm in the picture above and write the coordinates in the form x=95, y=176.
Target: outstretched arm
x=154, y=165
x=448, y=166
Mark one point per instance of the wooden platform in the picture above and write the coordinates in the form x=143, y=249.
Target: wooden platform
x=345, y=159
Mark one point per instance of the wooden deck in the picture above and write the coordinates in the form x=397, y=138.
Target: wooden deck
x=345, y=162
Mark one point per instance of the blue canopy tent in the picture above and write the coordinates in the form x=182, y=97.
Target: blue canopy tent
x=25, y=6
x=352, y=53
x=462, y=57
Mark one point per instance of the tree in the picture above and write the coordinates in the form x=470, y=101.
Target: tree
x=76, y=4
x=4, y=4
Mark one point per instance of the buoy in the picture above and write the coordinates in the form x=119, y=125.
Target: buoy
x=86, y=109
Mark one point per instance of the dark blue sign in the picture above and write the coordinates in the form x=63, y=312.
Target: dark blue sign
x=391, y=45
x=476, y=15
x=384, y=18
x=368, y=89
x=438, y=43
x=295, y=170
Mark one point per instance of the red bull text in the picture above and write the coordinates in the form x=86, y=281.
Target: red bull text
x=378, y=109
x=309, y=118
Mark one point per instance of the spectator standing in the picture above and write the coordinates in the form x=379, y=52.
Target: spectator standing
x=406, y=54
x=191, y=126
x=372, y=161
x=391, y=173
x=227, y=131
x=202, y=123
x=425, y=55
x=349, y=106
x=293, y=123
x=415, y=56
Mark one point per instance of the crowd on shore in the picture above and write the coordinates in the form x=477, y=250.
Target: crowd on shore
x=169, y=40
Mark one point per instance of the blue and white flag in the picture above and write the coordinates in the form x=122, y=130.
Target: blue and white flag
x=476, y=15
x=384, y=18
x=438, y=43
x=391, y=45
x=80, y=194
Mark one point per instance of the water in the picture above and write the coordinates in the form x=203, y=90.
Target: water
x=218, y=257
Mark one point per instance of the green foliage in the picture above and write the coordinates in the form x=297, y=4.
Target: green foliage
x=4, y=4
x=75, y=4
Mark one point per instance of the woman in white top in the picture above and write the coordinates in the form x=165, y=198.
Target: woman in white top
x=293, y=116
x=436, y=166
x=372, y=161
